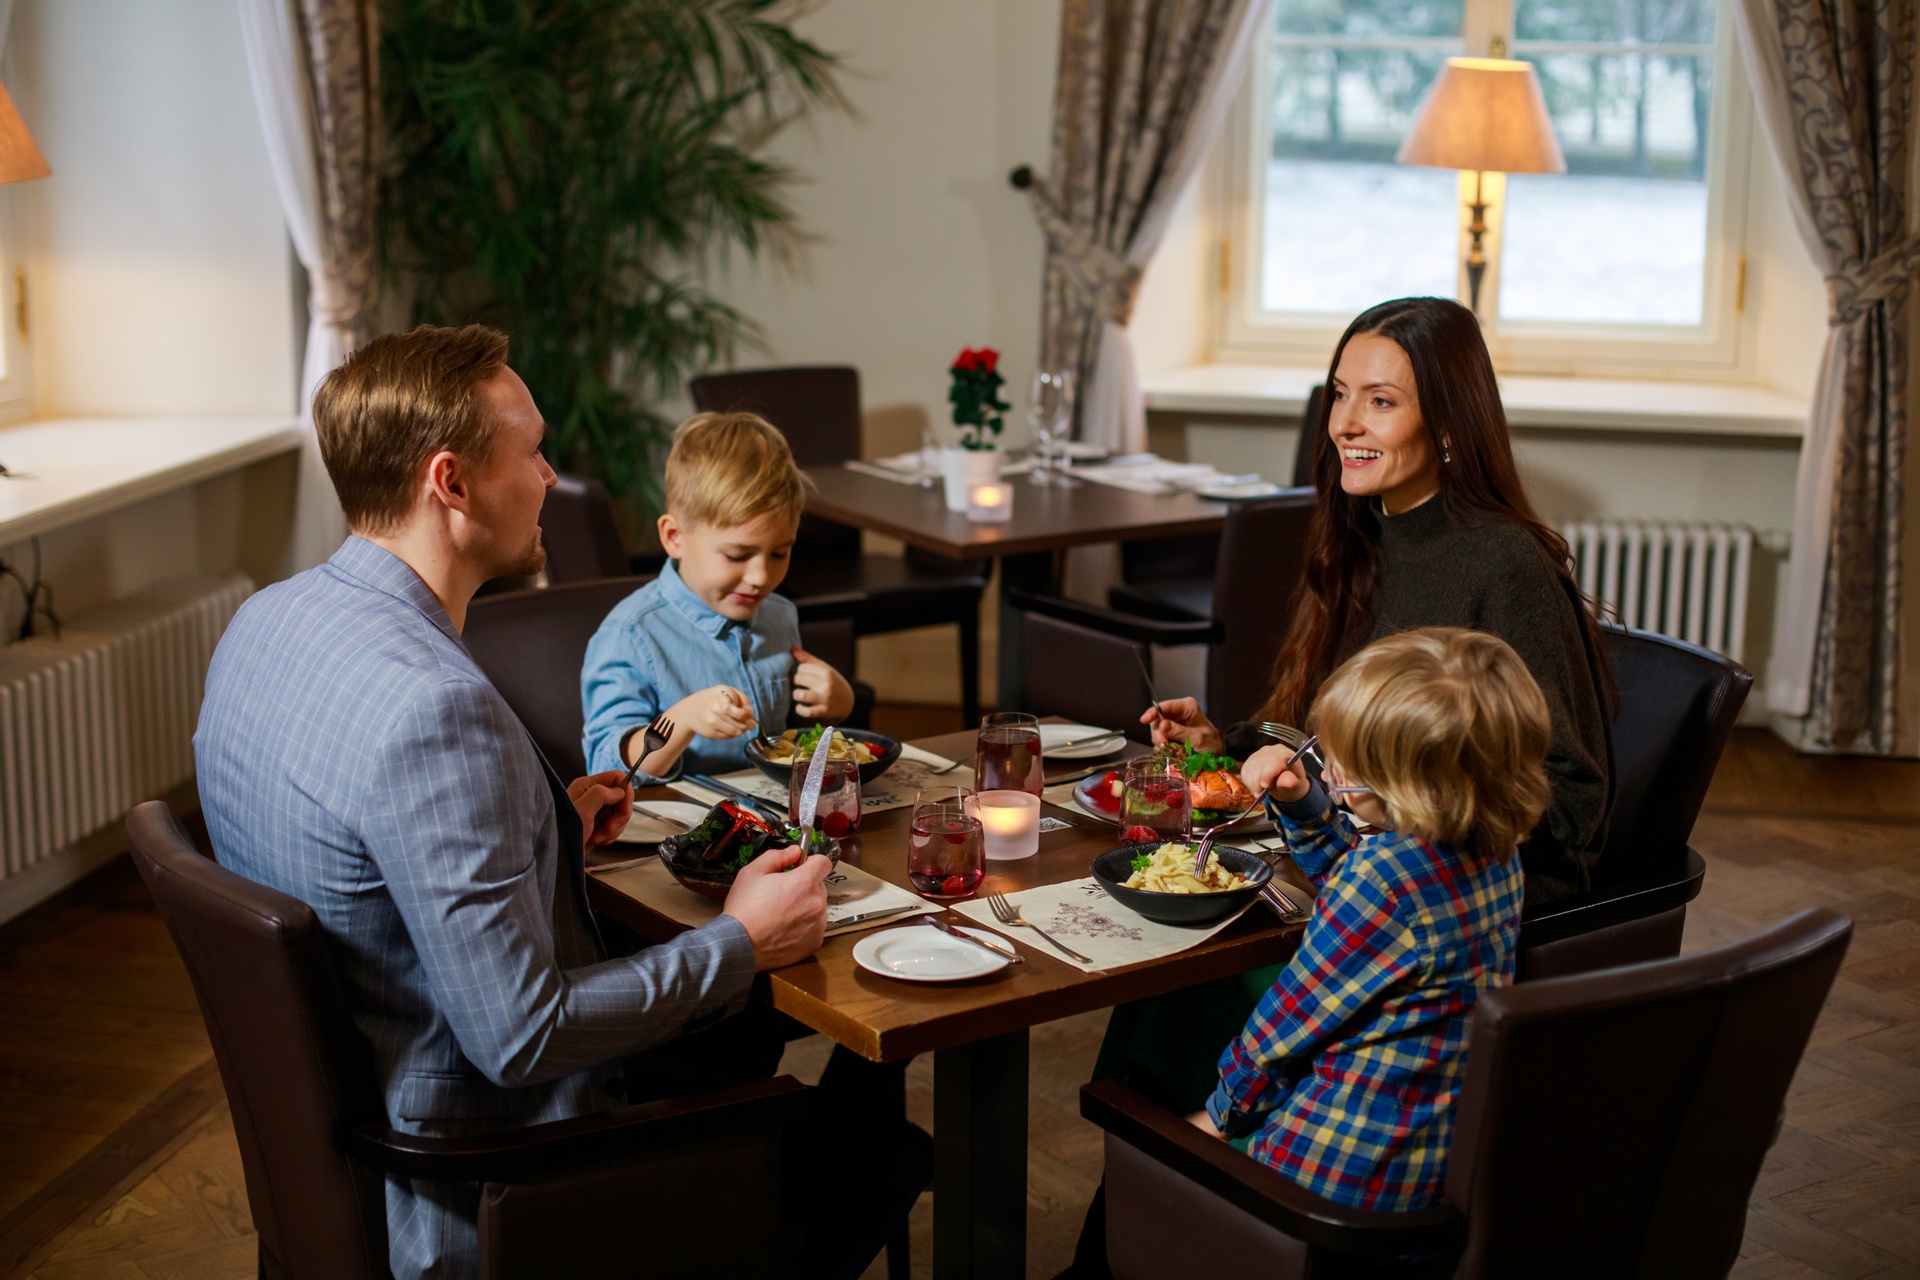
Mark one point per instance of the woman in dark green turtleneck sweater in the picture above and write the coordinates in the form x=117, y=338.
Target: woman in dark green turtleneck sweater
x=1422, y=522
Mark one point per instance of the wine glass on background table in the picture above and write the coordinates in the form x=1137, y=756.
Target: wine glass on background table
x=838, y=812
x=1155, y=804
x=946, y=854
x=1007, y=756
x=1051, y=409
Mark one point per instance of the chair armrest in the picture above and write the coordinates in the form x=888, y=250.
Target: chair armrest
x=515, y=1155
x=1125, y=599
x=1261, y=1192
x=1125, y=625
x=1649, y=895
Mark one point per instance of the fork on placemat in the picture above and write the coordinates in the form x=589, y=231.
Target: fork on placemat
x=1007, y=913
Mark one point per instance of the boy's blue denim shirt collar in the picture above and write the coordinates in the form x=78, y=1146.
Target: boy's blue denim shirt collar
x=697, y=611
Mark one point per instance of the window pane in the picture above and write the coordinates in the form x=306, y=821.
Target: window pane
x=1346, y=227
x=1622, y=237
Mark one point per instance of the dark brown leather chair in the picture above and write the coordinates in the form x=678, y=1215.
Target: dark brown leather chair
x=557, y=1199
x=1676, y=1071
x=1078, y=655
x=1678, y=704
x=817, y=407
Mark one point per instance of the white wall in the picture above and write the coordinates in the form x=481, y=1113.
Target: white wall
x=917, y=246
x=158, y=261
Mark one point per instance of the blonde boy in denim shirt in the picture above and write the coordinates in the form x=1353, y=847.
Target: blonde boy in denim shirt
x=708, y=642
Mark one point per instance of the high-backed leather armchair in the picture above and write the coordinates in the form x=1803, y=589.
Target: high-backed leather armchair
x=1611, y=1124
x=619, y=1193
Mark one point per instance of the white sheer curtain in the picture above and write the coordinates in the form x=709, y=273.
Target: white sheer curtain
x=277, y=61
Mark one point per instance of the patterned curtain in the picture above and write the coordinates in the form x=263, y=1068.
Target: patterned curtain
x=1143, y=88
x=313, y=66
x=1834, y=80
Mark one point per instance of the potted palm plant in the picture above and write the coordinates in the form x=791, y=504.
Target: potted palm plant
x=977, y=411
x=565, y=170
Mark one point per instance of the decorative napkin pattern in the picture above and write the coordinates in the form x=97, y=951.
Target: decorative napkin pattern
x=1091, y=921
x=850, y=892
x=894, y=789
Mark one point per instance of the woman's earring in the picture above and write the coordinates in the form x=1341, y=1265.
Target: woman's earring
x=1444, y=455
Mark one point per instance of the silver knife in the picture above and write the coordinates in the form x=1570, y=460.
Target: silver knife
x=1008, y=954
x=810, y=789
x=872, y=915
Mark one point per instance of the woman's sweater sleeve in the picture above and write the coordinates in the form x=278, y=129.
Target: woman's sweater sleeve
x=1534, y=610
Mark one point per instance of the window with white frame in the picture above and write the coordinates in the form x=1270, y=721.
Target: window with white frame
x=1630, y=259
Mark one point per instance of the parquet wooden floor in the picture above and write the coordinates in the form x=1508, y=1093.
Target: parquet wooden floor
x=97, y=1023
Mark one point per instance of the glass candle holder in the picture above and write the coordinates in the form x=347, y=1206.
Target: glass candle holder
x=1010, y=823
x=990, y=503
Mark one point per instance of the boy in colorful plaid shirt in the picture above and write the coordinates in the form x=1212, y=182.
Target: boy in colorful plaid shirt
x=1346, y=1075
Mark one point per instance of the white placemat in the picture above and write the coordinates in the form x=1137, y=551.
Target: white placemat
x=850, y=892
x=1149, y=473
x=894, y=789
x=1089, y=919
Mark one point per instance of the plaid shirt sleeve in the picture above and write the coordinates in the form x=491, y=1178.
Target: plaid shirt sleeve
x=1355, y=947
x=1317, y=832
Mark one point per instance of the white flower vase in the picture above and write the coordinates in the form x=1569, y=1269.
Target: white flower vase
x=964, y=468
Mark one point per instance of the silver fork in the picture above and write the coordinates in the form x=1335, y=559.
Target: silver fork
x=1206, y=839
x=1007, y=913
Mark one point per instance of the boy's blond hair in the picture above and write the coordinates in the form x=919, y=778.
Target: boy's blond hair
x=1449, y=730
x=726, y=469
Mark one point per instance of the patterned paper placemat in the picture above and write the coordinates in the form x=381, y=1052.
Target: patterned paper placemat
x=1089, y=919
x=850, y=892
x=894, y=789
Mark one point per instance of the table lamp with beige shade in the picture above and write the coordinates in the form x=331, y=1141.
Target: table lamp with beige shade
x=1485, y=115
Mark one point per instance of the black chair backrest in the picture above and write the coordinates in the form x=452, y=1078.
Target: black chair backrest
x=1678, y=704
x=1306, y=451
x=581, y=533
x=817, y=408
x=532, y=645
x=1613, y=1124
x=296, y=1069
x=1262, y=550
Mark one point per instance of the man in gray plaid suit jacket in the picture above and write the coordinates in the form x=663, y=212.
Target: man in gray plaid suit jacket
x=351, y=754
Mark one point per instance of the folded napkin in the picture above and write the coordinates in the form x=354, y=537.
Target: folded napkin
x=1091, y=921
x=1150, y=473
x=850, y=892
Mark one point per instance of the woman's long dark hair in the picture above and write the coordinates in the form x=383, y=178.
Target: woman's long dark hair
x=1460, y=404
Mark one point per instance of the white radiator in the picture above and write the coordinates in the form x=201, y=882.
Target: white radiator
x=1688, y=581
x=101, y=719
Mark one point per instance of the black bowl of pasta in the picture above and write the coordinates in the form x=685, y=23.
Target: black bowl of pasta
x=876, y=752
x=1180, y=899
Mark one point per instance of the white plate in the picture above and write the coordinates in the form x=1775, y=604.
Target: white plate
x=924, y=954
x=1241, y=492
x=1082, y=451
x=641, y=829
x=1051, y=735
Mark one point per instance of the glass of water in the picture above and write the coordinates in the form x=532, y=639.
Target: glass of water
x=1051, y=410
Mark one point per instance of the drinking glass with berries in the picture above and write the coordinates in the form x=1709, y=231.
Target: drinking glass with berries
x=838, y=813
x=1154, y=803
x=946, y=855
x=1007, y=755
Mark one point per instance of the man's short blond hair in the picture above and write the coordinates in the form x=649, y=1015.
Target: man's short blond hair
x=1449, y=729
x=395, y=403
x=726, y=469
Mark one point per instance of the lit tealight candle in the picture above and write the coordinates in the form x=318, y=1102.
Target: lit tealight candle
x=1009, y=822
x=990, y=503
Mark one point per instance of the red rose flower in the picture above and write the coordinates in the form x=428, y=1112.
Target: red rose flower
x=987, y=358
x=967, y=360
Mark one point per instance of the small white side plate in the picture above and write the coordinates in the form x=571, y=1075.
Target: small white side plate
x=922, y=954
x=643, y=829
x=1240, y=492
x=1053, y=734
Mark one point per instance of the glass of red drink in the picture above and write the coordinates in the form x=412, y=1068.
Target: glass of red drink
x=838, y=813
x=1007, y=757
x=946, y=856
x=1155, y=804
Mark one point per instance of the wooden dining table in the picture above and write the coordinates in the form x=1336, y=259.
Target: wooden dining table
x=978, y=1030
x=1047, y=520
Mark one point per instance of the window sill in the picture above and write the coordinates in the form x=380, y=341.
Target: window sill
x=76, y=468
x=1576, y=404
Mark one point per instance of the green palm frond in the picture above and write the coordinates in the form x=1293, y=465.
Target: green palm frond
x=561, y=168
